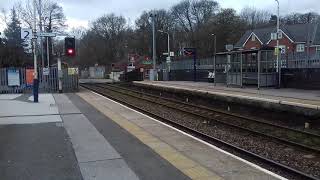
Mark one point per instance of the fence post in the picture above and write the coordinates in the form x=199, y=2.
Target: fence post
x=214, y=70
x=241, y=73
x=259, y=61
x=195, y=65
x=60, y=73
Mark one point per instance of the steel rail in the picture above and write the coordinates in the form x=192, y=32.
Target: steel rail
x=223, y=122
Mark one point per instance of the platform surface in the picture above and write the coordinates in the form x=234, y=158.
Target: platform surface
x=95, y=81
x=34, y=143
x=86, y=136
x=296, y=97
x=67, y=139
x=195, y=159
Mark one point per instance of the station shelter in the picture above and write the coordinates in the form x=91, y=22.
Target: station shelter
x=247, y=67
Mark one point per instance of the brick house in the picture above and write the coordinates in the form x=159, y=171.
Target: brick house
x=292, y=39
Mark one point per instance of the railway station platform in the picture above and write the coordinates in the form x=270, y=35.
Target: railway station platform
x=86, y=81
x=306, y=102
x=87, y=136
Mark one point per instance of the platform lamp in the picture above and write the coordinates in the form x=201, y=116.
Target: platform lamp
x=35, y=60
x=214, y=57
x=153, y=16
x=278, y=29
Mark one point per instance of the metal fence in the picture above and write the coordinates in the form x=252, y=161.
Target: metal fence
x=300, y=60
x=231, y=68
x=48, y=81
x=206, y=63
x=291, y=61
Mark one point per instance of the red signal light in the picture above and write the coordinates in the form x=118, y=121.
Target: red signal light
x=70, y=52
x=70, y=48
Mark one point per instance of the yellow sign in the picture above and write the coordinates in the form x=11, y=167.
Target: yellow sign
x=276, y=51
x=72, y=71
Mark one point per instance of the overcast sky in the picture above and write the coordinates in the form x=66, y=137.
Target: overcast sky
x=81, y=12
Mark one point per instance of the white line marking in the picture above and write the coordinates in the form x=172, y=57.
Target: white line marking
x=208, y=144
x=30, y=119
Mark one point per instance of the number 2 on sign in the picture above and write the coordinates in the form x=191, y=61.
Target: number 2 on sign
x=27, y=34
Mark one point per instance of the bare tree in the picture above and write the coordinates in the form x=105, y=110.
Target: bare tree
x=182, y=14
x=3, y=17
x=298, y=18
x=191, y=16
x=78, y=32
x=203, y=11
x=255, y=17
x=143, y=34
x=109, y=33
x=51, y=14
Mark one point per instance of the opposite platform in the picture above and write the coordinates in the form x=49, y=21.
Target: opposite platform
x=306, y=102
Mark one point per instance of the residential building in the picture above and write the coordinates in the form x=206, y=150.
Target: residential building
x=292, y=38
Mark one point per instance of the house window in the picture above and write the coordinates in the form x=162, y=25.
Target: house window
x=318, y=49
x=300, y=47
x=253, y=38
x=273, y=36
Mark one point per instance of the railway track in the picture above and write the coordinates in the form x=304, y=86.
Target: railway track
x=305, y=140
x=215, y=116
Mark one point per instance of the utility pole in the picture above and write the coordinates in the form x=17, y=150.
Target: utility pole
x=308, y=41
x=48, y=53
x=40, y=26
x=154, y=52
x=214, y=57
x=278, y=51
x=169, y=58
x=35, y=74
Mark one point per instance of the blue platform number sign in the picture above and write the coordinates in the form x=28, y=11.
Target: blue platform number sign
x=13, y=77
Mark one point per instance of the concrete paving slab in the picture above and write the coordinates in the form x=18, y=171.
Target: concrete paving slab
x=145, y=163
x=65, y=106
x=226, y=166
x=182, y=143
x=37, y=152
x=144, y=122
x=160, y=131
x=44, y=98
x=9, y=96
x=129, y=114
x=30, y=119
x=115, y=169
x=46, y=106
x=88, y=143
x=97, y=159
x=114, y=107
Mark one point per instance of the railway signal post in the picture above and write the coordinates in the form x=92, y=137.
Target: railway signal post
x=192, y=52
x=35, y=74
